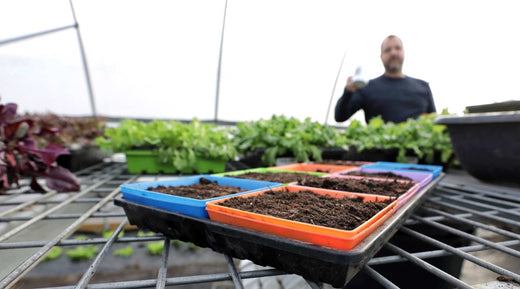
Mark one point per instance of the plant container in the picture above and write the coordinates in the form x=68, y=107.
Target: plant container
x=262, y=171
x=403, y=199
x=319, y=235
x=311, y=167
x=145, y=161
x=390, y=166
x=137, y=192
x=511, y=105
x=312, y=262
x=487, y=145
x=422, y=178
x=79, y=159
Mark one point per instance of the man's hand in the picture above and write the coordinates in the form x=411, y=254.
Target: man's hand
x=350, y=85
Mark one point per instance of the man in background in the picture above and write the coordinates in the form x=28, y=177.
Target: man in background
x=393, y=95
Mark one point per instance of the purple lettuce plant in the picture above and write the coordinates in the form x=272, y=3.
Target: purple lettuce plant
x=20, y=156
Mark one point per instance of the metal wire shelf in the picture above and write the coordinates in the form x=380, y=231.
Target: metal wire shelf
x=492, y=209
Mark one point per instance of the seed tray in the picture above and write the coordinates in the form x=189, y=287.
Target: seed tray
x=311, y=167
x=261, y=171
x=138, y=192
x=433, y=169
x=316, y=263
x=422, y=178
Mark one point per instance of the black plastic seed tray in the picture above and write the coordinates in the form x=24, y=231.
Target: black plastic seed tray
x=316, y=263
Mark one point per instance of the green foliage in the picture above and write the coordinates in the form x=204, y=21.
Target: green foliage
x=83, y=252
x=108, y=234
x=54, y=253
x=420, y=136
x=155, y=248
x=177, y=143
x=281, y=135
x=124, y=252
x=143, y=234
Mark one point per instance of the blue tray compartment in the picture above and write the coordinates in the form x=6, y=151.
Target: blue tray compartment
x=137, y=192
x=433, y=169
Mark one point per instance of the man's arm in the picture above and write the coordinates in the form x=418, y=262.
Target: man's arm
x=347, y=105
x=431, y=104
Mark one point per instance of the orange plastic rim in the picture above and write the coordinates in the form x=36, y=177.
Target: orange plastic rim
x=320, y=235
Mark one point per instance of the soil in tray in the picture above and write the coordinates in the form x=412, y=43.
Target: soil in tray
x=341, y=163
x=366, y=186
x=386, y=175
x=205, y=189
x=308, y=207
x=277, y=177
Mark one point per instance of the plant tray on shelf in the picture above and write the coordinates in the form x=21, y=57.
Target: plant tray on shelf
x=422, y=178
x=433, y=169
x=310, y=167
x=269, y=175
x=319, y=235
x=313, y=262
x=145, y=161
x=138, y=192
x=365, y=185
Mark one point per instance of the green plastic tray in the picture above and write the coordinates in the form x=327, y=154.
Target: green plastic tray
x=145, y=161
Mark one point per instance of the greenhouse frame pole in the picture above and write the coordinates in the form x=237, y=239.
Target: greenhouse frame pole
x=217, y=94
x=84, y=60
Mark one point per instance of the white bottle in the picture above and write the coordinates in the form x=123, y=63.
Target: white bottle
x=358, y=79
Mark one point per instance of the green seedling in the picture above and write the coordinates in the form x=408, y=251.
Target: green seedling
x=143, y=234
x=124, y=252
x=108, y=234
x=155, y=248
x=83, y=252
x=54, y=253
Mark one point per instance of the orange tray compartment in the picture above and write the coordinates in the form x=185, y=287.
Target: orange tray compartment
x=319, y=235
x=310, y=167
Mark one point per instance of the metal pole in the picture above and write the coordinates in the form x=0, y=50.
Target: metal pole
x=84, y=60
x=220, y=63
x=334, y=88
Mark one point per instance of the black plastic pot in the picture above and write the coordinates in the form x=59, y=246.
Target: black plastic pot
x=372, y=155
x=79, y=159
x=495, y=107
x=487, y=145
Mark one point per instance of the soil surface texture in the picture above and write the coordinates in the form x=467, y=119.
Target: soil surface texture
x=365, y=186
x=205, y=189
x=341, y=163
x=308, y=207
x=278, y=177
x=386, y=175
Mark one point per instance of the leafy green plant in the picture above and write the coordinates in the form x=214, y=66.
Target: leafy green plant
x=124, y=252
x=108, y=234
x=284, y=136
x=83, y=252
x=177, y=143
x=155, y=248
x=54, y=253
x=419, y=137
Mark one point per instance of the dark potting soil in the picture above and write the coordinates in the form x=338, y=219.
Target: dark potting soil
x=366, y=186
x=386, y=175
x=205, y=189
x=277, y=177
x=417, y=169
x=341, y=163
x=308, y=207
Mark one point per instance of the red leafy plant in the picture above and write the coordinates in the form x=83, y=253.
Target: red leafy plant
x=21, y=157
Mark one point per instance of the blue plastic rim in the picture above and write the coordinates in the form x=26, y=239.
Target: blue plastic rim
x=137, y=192
x=433, y=169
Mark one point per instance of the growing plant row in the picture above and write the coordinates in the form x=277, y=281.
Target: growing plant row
x=181, y=144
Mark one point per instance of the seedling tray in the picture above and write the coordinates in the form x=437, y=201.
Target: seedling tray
x=145, y=161
x=435, y=170
x=316, y=263
x=319, y=235
x=310, y=167
x=403, y=199
x=264, y=170
x=137, y=192
x=422, y=178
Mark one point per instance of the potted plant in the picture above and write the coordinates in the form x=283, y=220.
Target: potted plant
x=77, y=134
x=281, y=136
x=170, y=146
x=21, y=157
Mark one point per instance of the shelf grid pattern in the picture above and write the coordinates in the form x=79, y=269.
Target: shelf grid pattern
x=492, y=209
